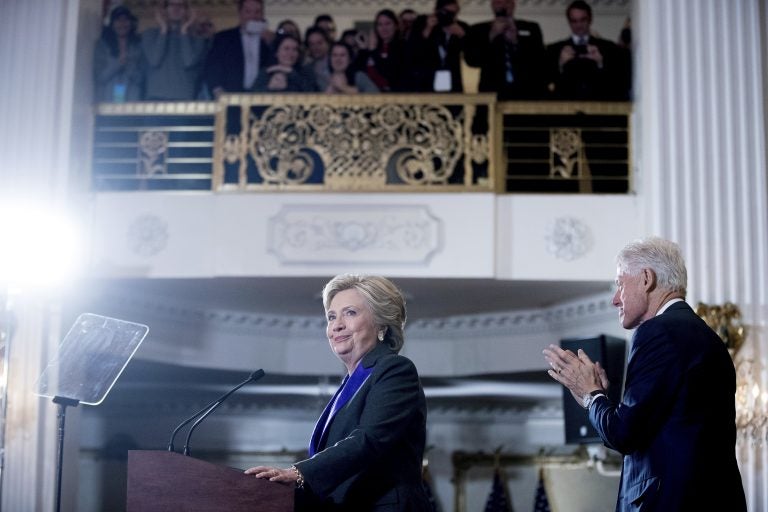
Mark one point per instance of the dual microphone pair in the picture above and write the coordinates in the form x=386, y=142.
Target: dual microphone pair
x=207, y=410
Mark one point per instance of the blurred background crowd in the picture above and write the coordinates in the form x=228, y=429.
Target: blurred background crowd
x=182, y=57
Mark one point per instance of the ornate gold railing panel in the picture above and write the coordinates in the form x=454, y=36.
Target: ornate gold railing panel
x=362, y=142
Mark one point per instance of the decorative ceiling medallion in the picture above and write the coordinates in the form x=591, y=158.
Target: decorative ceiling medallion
x=568, y=239
x=147, y=235
x=360, y=234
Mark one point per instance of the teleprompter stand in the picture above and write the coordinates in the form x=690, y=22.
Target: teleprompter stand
x=89, y=361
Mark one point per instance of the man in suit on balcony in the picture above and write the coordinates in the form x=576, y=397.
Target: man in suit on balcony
x=237, y=54
x=509, y=52
x=675, y=424
x=585, y=67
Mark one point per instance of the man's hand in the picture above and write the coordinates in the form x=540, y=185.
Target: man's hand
x=189, y=21
x=162, y=21
x=576, y=372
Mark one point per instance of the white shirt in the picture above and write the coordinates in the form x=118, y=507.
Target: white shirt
x=252, y=55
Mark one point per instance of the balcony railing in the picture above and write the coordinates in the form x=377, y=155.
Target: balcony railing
x=385, y=143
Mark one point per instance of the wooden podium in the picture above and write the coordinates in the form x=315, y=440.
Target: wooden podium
x=167, y=481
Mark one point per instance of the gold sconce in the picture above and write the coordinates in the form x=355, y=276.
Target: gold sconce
x=725, y=320
x=751, y=394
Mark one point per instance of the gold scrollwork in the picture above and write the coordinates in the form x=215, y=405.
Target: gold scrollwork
x=353, y=145
x=725, y=320
x=565, y=149
x=153, y=145
x=479, y=148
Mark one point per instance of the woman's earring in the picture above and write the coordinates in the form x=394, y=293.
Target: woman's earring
x=381, y=335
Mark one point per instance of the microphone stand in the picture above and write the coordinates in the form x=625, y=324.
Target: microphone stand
x=208, y=409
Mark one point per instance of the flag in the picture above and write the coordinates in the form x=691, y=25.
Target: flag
x=540, y=502
x=498, y=500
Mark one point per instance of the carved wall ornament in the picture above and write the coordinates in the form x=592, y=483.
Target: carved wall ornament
x=568, y=239
x=147, y=235
x=355, y=234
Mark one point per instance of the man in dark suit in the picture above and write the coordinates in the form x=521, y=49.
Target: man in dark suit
x=585, y=67
x=509, y=52
x=434, y=49
x=675, y=424
x=237, y=54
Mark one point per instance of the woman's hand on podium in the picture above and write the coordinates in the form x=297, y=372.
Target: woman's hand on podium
x=283, y=476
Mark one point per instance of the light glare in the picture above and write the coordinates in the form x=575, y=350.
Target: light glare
x=37, y=247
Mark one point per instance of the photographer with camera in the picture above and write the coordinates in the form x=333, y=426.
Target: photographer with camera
x=585, y=67
x=510, y=54
x=435, y=47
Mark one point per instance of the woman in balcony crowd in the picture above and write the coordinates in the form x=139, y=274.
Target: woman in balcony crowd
x=318, y=45
x=343, y=77
x=384, y=59
x=367, y=448
x=284, y=74
x=117, y=61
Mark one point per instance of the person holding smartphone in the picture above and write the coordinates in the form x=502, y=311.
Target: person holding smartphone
x=510, y=54
x=434, y=49
x=585, y=67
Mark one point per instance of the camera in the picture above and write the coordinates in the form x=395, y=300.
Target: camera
x=580, y=49
x=501, y=13
x=445, y=17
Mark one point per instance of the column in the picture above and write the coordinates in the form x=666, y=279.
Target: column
x=700, y=159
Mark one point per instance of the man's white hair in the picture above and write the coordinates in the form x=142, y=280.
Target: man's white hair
x=661, y=256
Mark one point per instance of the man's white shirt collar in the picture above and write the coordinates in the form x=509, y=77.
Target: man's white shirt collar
x=667, y=304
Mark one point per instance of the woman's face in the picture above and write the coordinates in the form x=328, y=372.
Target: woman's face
x=339, y=58
x=351, y=331
x=288, y=53
x=385, y=28
x=122, y=26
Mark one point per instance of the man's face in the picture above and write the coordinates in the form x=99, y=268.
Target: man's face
x=252, y=10
x=579, y=21
x=498, y=6
x=631, y=298
x=176, y=10
x=317, y=46
x=406, y=21
x=329, y=27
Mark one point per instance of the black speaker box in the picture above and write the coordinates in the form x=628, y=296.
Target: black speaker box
x=611, y=352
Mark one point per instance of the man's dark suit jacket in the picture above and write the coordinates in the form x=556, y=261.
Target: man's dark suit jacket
x=424, y=58
x=225, y=66
x=675, y=424
x=581, y=79
x=527, y=57
x=371, y=459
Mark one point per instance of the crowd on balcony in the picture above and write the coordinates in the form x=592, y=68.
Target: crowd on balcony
x=182, y=58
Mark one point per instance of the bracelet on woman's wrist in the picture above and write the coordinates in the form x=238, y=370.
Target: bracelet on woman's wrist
x=299, y=477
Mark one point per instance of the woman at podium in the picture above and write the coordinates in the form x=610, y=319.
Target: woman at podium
x=366, y=450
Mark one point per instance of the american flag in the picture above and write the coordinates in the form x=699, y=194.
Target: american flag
x=540, y=502
x=498, y=500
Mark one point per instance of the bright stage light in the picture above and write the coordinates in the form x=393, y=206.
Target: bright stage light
x=38, y=247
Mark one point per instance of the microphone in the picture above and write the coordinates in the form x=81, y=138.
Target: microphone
x=208, y=409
